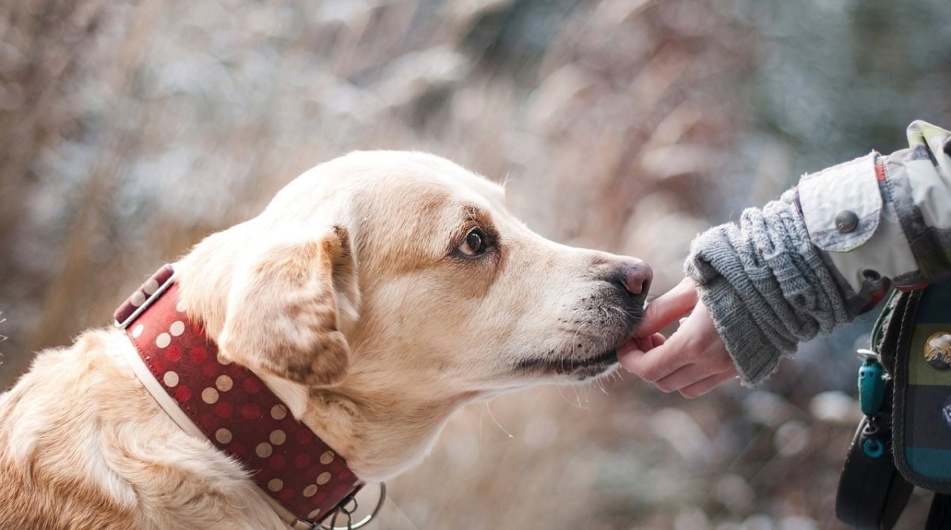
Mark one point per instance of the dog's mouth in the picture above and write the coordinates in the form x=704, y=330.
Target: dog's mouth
x=577, y=368
x=593, y=353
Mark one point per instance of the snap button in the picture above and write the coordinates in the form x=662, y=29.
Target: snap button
x=938, y=350
x=846, y=221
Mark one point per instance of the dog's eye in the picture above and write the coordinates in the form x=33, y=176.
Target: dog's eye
x=475, y=244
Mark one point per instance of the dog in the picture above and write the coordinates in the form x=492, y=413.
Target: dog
x=375, y=294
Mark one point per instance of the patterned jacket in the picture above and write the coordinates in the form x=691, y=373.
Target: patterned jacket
x=828, y=250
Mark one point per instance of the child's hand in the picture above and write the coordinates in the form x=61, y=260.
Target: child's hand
x=693, y=360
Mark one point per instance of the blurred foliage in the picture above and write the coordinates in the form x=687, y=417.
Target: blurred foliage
x=867, y=68
x=129, y=130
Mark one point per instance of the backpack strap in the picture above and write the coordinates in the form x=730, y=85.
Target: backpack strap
x=939, y=517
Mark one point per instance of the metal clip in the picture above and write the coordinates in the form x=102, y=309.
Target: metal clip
x=347, y=510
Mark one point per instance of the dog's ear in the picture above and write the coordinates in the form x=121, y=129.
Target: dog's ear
x=286, y=306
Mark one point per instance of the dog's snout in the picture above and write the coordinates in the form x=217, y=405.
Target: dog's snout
x=636, y=278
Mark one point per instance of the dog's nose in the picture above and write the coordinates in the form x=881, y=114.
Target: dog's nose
x=636, y=276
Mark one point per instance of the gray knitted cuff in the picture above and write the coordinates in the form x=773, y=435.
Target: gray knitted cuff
x=765, y=285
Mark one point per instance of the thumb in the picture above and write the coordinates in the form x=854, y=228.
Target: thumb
x=667, y=308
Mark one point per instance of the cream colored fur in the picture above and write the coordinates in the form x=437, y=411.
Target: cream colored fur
x=352, y=296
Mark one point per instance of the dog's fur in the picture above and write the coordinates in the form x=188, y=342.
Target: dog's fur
x=354, y=298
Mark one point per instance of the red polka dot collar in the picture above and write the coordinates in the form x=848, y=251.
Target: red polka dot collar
x=231, y=407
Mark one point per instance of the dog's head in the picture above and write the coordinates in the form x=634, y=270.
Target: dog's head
x=398, y=285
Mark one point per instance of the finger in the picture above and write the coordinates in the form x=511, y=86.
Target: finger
x=630, y=359
x=702, y=387
x=655, y=364
x=689, y=374
x=667, y=308
x=702, y=365
x=649, y=343
x=644, y=344
x=641, y=344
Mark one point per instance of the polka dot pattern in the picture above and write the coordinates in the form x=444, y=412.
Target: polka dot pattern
x=209, y=395
x=223, y=383
x=150, y=286
x=170, y=379
x=237, y=413
x=147, y=289
x=137, y=298
x=264, y=450
x=223, y=436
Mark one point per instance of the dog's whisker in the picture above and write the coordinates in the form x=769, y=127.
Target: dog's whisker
x=481, y=416
x=497, y=423
x=566, y=399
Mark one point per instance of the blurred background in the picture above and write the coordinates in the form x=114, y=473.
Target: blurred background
x=131, y=129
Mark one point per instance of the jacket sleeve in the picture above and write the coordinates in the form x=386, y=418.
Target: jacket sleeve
x=827, y=250
x=903, y=203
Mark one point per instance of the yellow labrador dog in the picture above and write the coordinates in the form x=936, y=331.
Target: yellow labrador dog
x=376, y=294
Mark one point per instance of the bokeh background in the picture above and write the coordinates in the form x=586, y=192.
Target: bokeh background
x=131, y=129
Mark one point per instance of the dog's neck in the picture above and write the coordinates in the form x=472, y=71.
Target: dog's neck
x=176, y=361
x=362, y=427
x=381, y=434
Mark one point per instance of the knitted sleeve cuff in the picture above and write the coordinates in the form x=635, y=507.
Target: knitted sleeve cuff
x=765, y=285
x=755, y=357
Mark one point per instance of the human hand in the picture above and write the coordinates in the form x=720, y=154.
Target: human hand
x=693, y=360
